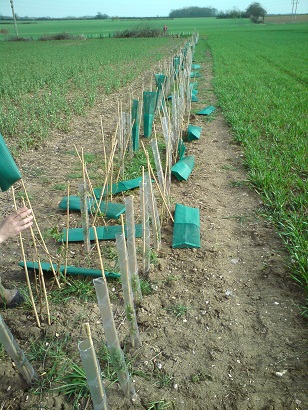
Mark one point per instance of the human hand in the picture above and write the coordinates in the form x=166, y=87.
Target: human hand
x=16, y=222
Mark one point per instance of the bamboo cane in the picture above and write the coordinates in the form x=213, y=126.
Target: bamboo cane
x=104, y=146
x=84, y=216
x=67, y=228
x=151, y=172
x=41, y=237
x=42, y=280
x=26, y=268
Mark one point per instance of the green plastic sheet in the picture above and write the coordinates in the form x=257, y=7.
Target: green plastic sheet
x=71, y=270
x=135, y=127
x=104, y=233
x=9, y=172
x=149, y=105
x=193, y=132
x=119, y=187
x=186, y=230
x=207, y=110
x=183, y=168
x=111, y=210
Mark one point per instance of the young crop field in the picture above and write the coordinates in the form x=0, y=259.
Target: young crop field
x=44, y=83
x=261, y=81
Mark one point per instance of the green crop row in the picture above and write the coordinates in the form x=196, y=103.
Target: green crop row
x=44, y=83
x=261, y=82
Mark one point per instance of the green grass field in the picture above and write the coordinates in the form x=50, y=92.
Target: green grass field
x=260, y=80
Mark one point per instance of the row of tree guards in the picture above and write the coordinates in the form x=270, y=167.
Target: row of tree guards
x=170, y=104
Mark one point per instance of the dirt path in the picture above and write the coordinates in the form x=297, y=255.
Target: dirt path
x=240, y=342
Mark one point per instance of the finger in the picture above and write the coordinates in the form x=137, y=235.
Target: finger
x=24, y=221
x=25, y=226
x=22, y=213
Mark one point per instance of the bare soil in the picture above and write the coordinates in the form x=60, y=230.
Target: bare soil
x=240, y=342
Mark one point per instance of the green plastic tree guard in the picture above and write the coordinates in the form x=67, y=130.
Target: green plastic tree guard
x=71, y=270
x=119, y=187
x=104, y=233
x=207, y=110
x=193, y=132
x=160, y=80
x=135, y=127
x=181, y=149
x=183, y=168
x=149, y=104
x=194, y=98
x=195, y=74
x=176, y=65
x=9, y=172
x=186, y=230
x=111, y=210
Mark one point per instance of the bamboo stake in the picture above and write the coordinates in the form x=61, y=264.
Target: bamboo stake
x=151, y=172
x=67, y=228
x=41, y=237
x=26, y=268
x=104, y=146
x=85, y=216
x=89, y=183
x=41, y=274
x=110, y=163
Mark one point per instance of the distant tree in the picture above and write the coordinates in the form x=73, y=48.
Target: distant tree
x=101, y=16
x=255, y=12
x=193, y=12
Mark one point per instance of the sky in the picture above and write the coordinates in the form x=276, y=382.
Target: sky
x=135, y=8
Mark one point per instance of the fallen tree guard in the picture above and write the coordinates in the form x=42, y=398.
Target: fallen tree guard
x=186, y=230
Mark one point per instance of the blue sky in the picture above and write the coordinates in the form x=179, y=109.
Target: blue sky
x=131, y=8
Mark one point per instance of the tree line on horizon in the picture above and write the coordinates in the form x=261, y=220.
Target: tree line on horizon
x=254, y=11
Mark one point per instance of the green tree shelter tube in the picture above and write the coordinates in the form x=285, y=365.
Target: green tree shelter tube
x=16, y=353
x=186, y=231
x=135, y=127
x=149, y=104
x=9, y=172
x=160, y=80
